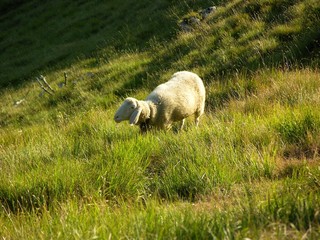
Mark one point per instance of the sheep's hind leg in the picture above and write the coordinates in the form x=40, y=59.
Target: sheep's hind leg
x=197, y=119
x=197, y=116
x=182, y=124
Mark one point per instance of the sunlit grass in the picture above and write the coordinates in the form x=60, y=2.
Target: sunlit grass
x=85, y=162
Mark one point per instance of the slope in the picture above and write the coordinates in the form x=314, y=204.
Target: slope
x=251, y=170
x=38, y=35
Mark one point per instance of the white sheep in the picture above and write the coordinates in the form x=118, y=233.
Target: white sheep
x=183, y=95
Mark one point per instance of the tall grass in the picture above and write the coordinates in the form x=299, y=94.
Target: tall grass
x=279, y=215
x=82, y=176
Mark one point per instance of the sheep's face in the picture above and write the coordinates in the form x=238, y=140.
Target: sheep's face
x=125, y=111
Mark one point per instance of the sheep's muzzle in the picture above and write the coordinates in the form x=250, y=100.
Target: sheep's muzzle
x=117, y=119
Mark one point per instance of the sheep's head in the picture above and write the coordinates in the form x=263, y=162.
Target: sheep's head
x=129, y=110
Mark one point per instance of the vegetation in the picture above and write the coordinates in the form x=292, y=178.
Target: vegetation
x=251, y=169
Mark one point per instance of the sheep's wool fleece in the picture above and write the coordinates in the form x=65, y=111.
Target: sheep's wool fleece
x=180, y=97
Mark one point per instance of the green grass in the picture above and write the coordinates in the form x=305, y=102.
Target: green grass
x=242, y=173
x=251, y=169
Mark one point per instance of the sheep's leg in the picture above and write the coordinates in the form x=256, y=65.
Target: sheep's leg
x=197, y=121
x=198, y=114
x=144, y=127
x=182, y=124
x=166, y=126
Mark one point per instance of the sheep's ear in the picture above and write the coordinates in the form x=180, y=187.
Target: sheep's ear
x=134, y=118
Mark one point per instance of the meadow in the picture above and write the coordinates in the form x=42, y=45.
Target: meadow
x=250, y=170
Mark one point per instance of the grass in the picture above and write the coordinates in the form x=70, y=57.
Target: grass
x=251, y=169
x=83, y=176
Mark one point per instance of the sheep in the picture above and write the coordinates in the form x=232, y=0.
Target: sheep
x=180, y=97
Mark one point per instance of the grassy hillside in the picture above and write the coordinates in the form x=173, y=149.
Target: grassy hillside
x=251, y=169
x=50, y=35
x=242, y=34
